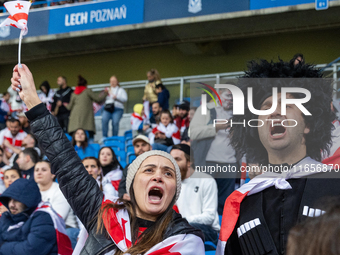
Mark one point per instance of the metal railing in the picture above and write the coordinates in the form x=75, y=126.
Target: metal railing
x=182, y=84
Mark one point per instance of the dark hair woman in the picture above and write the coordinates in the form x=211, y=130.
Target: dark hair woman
x=46, y=95
x=145, y=225
x=81, y=145
x=112, y=170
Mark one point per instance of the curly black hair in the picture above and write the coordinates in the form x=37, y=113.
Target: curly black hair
x=245, y=140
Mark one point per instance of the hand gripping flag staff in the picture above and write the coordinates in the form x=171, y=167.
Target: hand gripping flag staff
x=18, y=11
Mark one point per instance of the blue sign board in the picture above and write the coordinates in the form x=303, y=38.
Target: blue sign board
x=170, y=9
x=261, y=4
x=37, y=24
x=95, y=15
x=321, y=4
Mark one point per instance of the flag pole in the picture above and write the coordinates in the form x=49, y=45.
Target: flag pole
x=19, y=50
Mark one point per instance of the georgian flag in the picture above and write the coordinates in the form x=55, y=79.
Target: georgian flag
x=117, y=224
x=18, y=11
x=261, y=182
x=63, y=241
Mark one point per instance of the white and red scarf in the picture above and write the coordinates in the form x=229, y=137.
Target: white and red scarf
x=119, y=229
x=136, y=120
x=63, y=241
x=261, y=182
x=113, y=177
x=170, y=131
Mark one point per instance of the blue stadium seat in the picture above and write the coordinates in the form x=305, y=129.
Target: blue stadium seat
x=120, y=139
x=121, y=155
x=128, y=142
x=210, y=252
x=122, y=163
x=96, y=147
x=131, y=156
x=115, y=149
x=130, y=148
x=120, y=146
x=128, y=134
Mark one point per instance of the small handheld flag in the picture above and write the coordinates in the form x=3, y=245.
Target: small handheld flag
x=18, y=11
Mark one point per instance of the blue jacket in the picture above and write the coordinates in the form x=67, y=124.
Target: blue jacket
x=22, y=233
x=163, y=99
x=90, y=151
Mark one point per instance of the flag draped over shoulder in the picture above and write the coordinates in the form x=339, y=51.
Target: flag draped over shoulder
x=261, y=182
x=18, y=11
x=63, y=241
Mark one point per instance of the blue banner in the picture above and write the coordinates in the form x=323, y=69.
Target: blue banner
x=37, y=24
x=95, y=15
x=170, y=9
x=261, y=4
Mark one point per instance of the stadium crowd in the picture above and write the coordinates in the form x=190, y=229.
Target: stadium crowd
x=48, y=199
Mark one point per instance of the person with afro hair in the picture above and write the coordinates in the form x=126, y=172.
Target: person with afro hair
x=287, y=145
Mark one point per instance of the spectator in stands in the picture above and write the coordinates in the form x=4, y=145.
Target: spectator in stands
x=273, y=193
x=10, y=175
x=4, y=109
x=197, y=202
x=25, y=125
x=81, y=108
x=14, y=135
x=140, y=144
x=81, y=145
x=28, y=142
x=185, y=138
x=23, y=230
x=154, y=174
x=50, y=192
x=297, y=59
x=2, y=164
x=26, y=162
x=60, y=100
x=94, y=168
x=15, y=102
x=174, y=111
x=46, y=95
x=114, y=107
x=156, y=114
x=211, y=144
x=163, y=96
x=182, y=120
x=138, y=120
x=150, y=95
x=165, y=134
x=112, y=170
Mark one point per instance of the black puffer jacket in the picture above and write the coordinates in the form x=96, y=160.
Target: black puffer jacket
x=80, y=189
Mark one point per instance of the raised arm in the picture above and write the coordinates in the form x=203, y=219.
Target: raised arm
x=79, y=188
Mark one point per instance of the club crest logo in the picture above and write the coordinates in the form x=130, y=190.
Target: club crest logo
x=195, y=6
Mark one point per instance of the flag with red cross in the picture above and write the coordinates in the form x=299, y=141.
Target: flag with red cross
x=18, y=11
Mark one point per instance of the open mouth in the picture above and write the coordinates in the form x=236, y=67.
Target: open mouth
x=277, y=130
x=155, y=194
